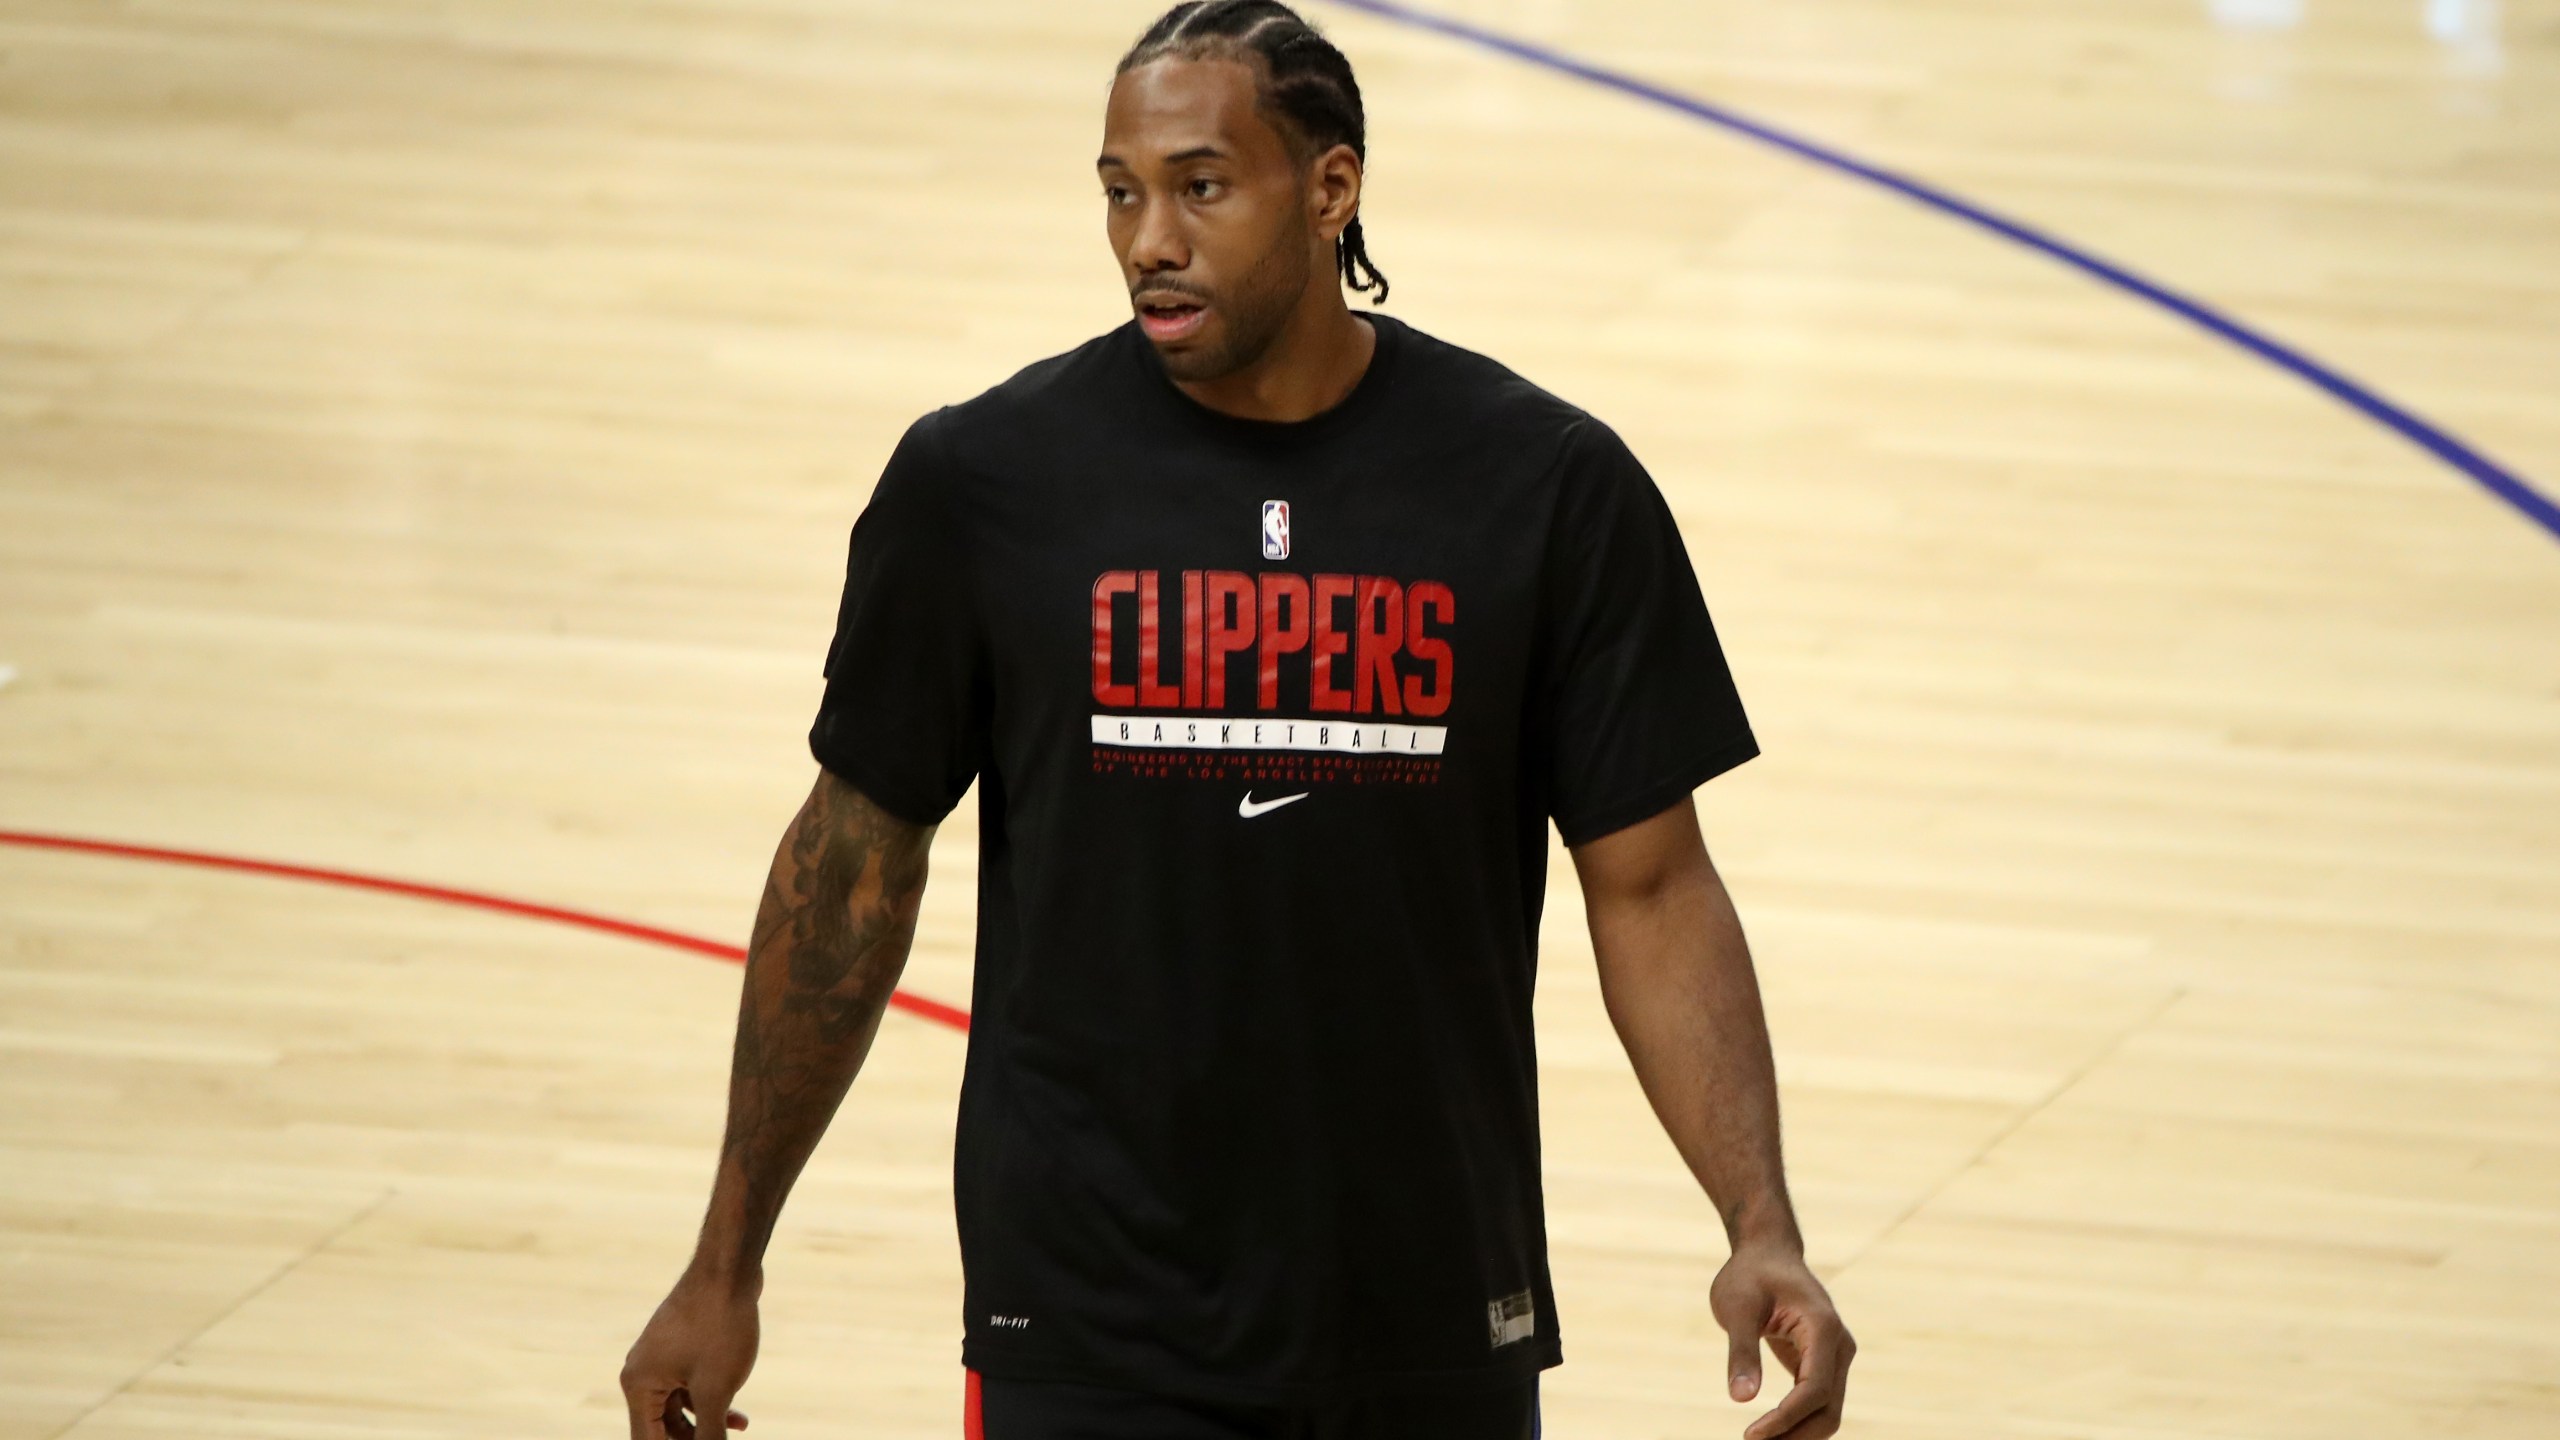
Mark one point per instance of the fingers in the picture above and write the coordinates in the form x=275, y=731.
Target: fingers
x=693, y=1423
x=1811, y=1409
x=1795, y=1416
x=1743, y=1311
x=673, y=1415
x=647, y=1404
x=1742, y=1362
x=710, y=1405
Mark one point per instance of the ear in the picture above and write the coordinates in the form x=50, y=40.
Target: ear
x=1333, y=191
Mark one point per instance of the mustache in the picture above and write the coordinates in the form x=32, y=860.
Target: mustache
x=1168, y=288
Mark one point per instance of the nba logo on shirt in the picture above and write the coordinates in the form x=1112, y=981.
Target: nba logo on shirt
x=1275, y=529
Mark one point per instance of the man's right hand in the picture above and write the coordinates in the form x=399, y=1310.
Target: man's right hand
x=693, y=1357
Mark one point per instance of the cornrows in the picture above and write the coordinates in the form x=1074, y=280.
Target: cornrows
x=1305, y=81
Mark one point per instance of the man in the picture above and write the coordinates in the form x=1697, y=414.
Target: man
x=1273, y=637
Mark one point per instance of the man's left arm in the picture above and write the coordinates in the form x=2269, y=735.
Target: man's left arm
x=1676, y=977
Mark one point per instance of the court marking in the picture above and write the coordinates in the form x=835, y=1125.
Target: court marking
x=2444, y=446
x=2426, y=435
x=918, y=1005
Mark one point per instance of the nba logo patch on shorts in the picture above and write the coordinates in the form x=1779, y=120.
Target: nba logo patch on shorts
x=1513, y=1318
x=1275, y=529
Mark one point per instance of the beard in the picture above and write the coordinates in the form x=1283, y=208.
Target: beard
x=1251, y=315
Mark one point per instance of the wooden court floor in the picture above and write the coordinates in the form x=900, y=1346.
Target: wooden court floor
x=427, y=436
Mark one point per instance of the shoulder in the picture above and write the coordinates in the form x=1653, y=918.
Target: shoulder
x=1052, y=391
x=950, y=450
x=1587, y=476
x=1486, y=398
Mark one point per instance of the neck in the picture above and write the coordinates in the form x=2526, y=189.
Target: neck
x=1310, y=366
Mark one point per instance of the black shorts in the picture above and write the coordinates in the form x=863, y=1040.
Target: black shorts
x=1002, y=1409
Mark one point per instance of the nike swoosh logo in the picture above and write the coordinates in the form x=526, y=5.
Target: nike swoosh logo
x=1248, y=807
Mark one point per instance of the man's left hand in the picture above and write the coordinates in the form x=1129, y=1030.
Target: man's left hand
x=1766, y=1292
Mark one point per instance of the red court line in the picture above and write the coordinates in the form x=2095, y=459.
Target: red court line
x=935, y=1010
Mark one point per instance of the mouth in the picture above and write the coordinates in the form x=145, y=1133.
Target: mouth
x=1170, y=317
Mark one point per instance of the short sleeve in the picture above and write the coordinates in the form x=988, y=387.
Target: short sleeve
x=904, y=717
x=1644, y=708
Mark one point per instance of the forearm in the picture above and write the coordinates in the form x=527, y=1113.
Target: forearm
x=1676, y=976
x=830, y=941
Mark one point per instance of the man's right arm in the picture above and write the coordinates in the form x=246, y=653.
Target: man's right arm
x=830, y=941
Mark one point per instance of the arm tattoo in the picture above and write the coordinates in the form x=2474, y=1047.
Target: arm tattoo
x=830, y=941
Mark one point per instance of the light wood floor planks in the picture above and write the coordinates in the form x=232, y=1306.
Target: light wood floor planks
x=427, y=432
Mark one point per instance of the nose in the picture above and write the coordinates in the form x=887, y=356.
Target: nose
x=1158, y=242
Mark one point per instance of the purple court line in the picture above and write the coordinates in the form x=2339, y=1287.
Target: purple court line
x=2418, y=431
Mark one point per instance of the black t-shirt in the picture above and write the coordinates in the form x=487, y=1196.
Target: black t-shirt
x=1268, y=721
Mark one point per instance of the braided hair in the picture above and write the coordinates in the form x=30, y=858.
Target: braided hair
x=1304, y=80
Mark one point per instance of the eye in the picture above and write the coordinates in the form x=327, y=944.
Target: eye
x=1113, y=193
x=1211, y=186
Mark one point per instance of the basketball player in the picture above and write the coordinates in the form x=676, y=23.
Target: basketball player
x=1273, y=636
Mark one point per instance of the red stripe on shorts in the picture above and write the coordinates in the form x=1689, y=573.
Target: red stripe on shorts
x=973, y=1425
